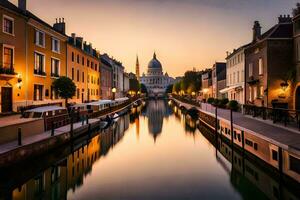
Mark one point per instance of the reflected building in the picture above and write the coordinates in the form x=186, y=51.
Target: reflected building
x=156, y=111
x=68, y=173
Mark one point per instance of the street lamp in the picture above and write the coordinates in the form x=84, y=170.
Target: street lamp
x=114, y=90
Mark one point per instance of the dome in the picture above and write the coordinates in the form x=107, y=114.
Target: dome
x=154, y=63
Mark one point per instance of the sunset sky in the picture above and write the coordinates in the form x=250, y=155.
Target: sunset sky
x=184, y=33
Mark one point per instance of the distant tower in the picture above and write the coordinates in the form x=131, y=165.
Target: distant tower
x=137, y=69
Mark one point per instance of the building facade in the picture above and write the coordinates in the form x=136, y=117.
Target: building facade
x=235, y=76
x=126, y=83
x=269, y=58
x=106, y=79
x=296, y=35
x=117, y=75
x=84, y=69
x=207, y=91
x=218, y=79
x=155, y=81
x=33, y=55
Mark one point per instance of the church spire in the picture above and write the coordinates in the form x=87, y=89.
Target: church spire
x=137, y=68
x=154, y=55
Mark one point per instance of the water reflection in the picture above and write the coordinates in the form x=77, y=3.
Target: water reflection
x=156, y=111
x=123, y=163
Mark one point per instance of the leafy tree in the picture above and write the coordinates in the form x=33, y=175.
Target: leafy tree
x=134, y=85
x=64, y=87
x=143, y=89
x=176, y=87
x=169, y=89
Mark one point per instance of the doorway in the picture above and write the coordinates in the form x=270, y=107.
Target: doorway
x=297, y=101
x=6, y=99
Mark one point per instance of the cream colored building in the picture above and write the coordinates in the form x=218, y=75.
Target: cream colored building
x=235, y=76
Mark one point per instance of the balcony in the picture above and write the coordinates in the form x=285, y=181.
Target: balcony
x=54, y=75
x=39, y=72
x=7, y=73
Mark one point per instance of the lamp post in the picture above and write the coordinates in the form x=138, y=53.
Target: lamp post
x=114, y=90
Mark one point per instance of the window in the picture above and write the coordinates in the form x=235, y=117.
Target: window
x=55, y=45
x=73, y=56
x=39, y=64
x=250, y=69
x=78, y=59
x=83, y=77
x=260, y=66
x=55, y=67
x=255, y=146
x=8, y=25
x=38, y=92
x=88, y=62
x=54, y=94
x=261, y=91
x=73, y=74
x=96, y=67
x=255, y=92
x=8, y=57
x=78, y=75
x=238, y=77
x=78, y=93
x=250, y=94
x=92, y=65
x=88, y=78
x=249, y=143
x=274, y=155
x=40, y=38
x=295, y=164
x=233, y=77
x=82, y=60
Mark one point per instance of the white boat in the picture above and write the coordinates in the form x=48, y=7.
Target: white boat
x=116, y=117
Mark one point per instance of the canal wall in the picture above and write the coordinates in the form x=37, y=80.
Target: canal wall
x=281, y=156
x=11, y=153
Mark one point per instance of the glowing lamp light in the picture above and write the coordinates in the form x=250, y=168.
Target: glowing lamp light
x=193, y=93
x=284, y=86
x=114, y=90
x=205, y=90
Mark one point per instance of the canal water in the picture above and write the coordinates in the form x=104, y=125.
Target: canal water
x=155, y=152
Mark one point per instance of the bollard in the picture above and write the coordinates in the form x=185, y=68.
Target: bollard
x=19, y=136
x=52, y=128
x=87, y=119
x=71, y=127
x=89, y=130
x=231, y=126
x=216, y=116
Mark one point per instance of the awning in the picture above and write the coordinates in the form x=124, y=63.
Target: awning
x=227, y=89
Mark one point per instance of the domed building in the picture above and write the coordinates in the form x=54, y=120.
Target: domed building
x=155, y=80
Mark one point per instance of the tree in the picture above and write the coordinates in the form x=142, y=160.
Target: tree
x=176, y=87
x=64, y=87
x=169, y=89
x=134, y=85
x=143, y=89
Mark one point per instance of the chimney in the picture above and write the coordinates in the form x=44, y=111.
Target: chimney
x=80, y=39
x=60, y=26
x=91, y=48
x=256, y=31
x=284, y=19
x=73, y=35
x=22, y=5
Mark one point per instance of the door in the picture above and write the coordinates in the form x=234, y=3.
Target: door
x=298, y=98
x=6, y=99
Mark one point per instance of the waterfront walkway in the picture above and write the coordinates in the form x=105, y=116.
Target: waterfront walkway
x=287, y=139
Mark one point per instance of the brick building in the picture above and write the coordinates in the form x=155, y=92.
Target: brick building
x=268, y=59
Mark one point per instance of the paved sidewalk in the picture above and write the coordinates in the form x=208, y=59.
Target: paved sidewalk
x=288, y=138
